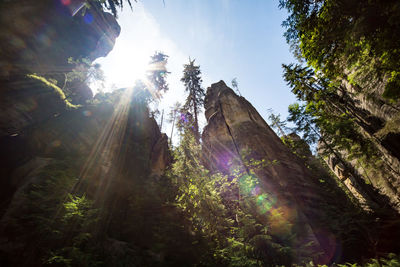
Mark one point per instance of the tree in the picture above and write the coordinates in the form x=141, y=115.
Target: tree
x=172, y=117
x=277, y=123
x=111, y=5
x=348, y=39
x=157, y=71
x=235, y=86
x=192, y=81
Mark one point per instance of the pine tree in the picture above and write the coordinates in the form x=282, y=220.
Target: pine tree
x=172, y=118
x=235, y=85
x=157, y=72
x=277, y=123
x=192, y=81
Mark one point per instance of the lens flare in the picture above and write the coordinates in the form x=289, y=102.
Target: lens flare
x=88, y=18
x=66, y=2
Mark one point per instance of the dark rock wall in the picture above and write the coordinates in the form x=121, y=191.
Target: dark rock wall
x=110, y=148
x=40, y=36
x=378, y=121
x=375, y=189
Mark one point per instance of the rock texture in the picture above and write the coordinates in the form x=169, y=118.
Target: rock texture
x=39, y=37
x=374, y=189
x=235, y=134
x=99, y=131
x=378, y=121
x=111, y=148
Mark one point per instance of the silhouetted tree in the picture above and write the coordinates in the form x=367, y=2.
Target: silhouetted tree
x=157, y=71
x=175, y=110
x=111, y=5
x=235, y=86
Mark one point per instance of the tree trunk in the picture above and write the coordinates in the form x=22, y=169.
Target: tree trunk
x=196, y=123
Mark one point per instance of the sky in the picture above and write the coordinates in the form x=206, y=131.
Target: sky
x=227, y=38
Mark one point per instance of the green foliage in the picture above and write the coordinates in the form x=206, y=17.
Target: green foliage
x=391, y=260
x=347, y=37
x=224, y=211
x=55, y=224
x=77, y=219
x=54, y=88
x=84, y=71
x=327, y=114
x=392, y=89
x=332, y=120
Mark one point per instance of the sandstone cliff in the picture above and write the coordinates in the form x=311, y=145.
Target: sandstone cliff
x=236, y=135
x=110, y=152
x=40, y=38
x=104, y=152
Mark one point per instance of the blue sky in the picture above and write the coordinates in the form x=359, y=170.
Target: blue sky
x=237, y=38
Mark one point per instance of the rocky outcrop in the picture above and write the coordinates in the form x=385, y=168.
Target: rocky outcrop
x=160, y=156
x=373, y=188
x=378, y=121
x=235, y=135
x=347, y=173
x=105, y=151
x=39, y=37
x=108, y=151
x=106, y=132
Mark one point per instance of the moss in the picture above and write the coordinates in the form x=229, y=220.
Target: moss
x=57, y=90
x=391, y=126
x=392, y=88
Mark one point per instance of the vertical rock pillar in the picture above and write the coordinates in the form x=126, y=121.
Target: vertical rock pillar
x=236, y=133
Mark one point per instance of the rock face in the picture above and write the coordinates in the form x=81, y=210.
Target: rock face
x=61, y=133
x=39, y=37
x=109, y=150
x=377, y=119
x=110, y=147
x=235, y=134
x=374, y=189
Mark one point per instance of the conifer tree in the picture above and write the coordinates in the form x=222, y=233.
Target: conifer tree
x=276, y=123
x=172, y=117
x=235, y=85
x=192, y=81
x=157, y=71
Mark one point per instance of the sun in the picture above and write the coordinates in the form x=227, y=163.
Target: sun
x=126, y=64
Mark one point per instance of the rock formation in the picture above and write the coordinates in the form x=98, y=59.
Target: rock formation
x=236, y=131
x=372, y=188
x=111, y=149
x=108, y=150
x=377, y=119
x=236, y=135
x=39, y=37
